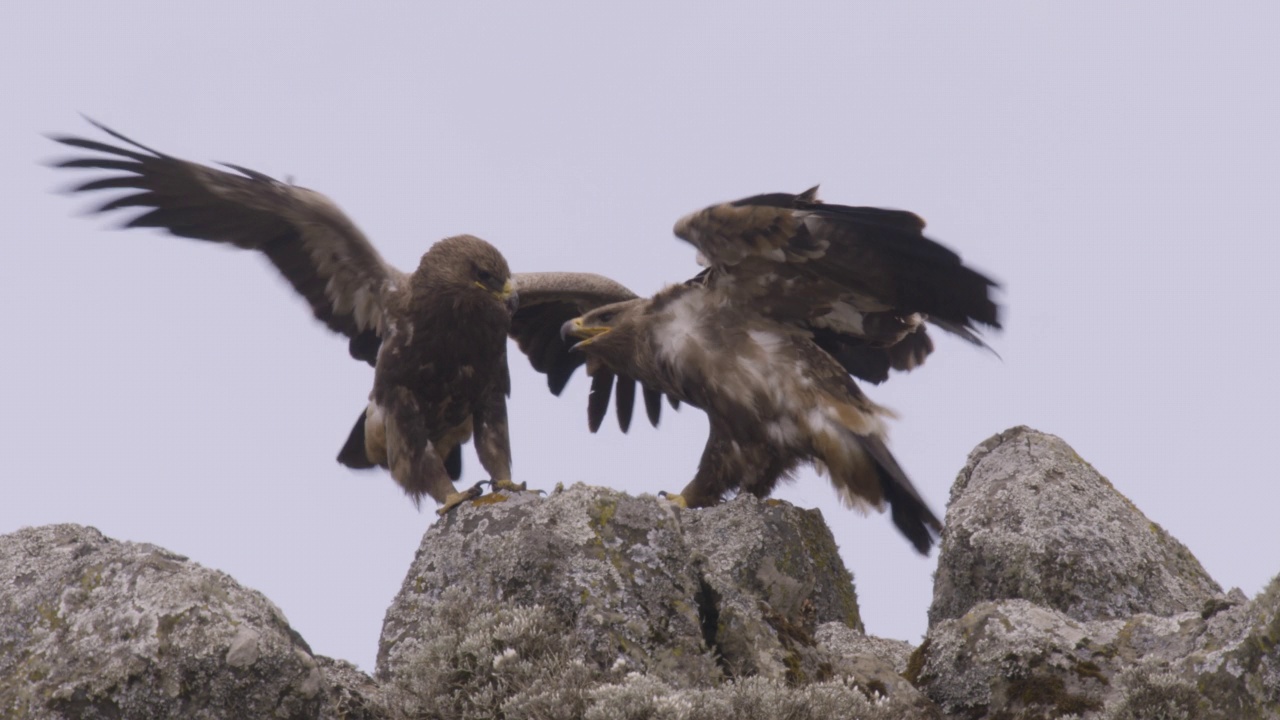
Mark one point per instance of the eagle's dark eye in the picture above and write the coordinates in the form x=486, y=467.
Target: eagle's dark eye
x=604, y=317
x=484, y=275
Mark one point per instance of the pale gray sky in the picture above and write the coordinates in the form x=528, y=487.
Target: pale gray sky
x=1115, y=167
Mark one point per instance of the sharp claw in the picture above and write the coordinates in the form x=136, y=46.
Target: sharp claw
x=456, y=499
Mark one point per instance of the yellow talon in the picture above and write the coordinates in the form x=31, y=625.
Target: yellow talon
x=508, y=484
x=674, y=499
x=453, y=500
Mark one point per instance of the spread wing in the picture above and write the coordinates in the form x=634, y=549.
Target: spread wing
x=547, y=301
x=317, y=248
x=862, y=279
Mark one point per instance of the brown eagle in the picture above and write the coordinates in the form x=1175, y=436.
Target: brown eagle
x=436, y=337
x=798, y=296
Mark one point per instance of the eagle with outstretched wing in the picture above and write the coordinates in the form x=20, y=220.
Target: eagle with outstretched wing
x=436, y=337
x=797, y=299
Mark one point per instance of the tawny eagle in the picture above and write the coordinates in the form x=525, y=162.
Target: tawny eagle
x=436, y=336
x=797, y=296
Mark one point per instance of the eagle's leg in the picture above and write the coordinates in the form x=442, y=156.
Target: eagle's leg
x=508, y=485
x=718, y=472
x=493, y=444
x=414, y=458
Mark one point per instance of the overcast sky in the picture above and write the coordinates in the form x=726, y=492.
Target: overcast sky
x=1115, y=168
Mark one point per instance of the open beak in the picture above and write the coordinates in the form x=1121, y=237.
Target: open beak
x=575, y=328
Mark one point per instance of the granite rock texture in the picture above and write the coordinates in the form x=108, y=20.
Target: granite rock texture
x=1029, y=519
x=594, y=603
x=1055, y=598
x=92, y=627
x=686, y=596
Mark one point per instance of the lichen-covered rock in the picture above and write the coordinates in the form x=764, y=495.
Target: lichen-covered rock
x=841, y=641
x=1029, y=519
x=512, y=661
x=771, y=573
x=1014, y=659
x=609, y=568
x=511, y=592
x=350, y=694
x=875, y=664
x=92, y=627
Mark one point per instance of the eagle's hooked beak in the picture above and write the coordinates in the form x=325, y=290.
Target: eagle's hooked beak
x=507, y=295
x=510, y=296
x=576, y=328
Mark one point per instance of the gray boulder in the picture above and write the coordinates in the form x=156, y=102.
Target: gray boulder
x=92, y=627
x=592, y=603
x=1056, y=597
x=1029, y=519
x=1015, y=659
x=688, y=596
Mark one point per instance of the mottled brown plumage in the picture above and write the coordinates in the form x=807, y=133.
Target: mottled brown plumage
x=436, y=337
x=797, y=296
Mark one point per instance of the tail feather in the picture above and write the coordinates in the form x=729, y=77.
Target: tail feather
x=353, y=453
x=873, y=476
x=911, y=515
x=453, y=462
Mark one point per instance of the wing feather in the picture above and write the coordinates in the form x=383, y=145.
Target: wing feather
x=547, y=301
x=860, y=278
x=598, y=400
x=317, y=248
x=626, y=396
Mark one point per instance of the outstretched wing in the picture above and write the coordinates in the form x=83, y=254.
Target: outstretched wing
x=863, y=279
x=317, y=248
x=547, y=301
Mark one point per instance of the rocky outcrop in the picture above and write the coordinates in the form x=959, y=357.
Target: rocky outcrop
x=1015, y=659
x=684, y=599
x=1055, y=598
x=92, y=627
x=1029, y=519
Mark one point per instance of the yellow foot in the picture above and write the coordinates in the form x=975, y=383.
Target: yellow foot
x=677, y=500
x=510, y=486
x=456, y=499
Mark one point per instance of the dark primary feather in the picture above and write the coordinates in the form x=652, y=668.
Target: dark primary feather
x=547, y=301
x=910, y=514
x=870, y=362
x=313, y=245
x=536, y=329
x=598, y=400
x=828, y=252
x=353, y=453
x=626, y=395
x=653, y=405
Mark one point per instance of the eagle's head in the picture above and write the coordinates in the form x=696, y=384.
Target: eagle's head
x=467, y=267
x=609, y=332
